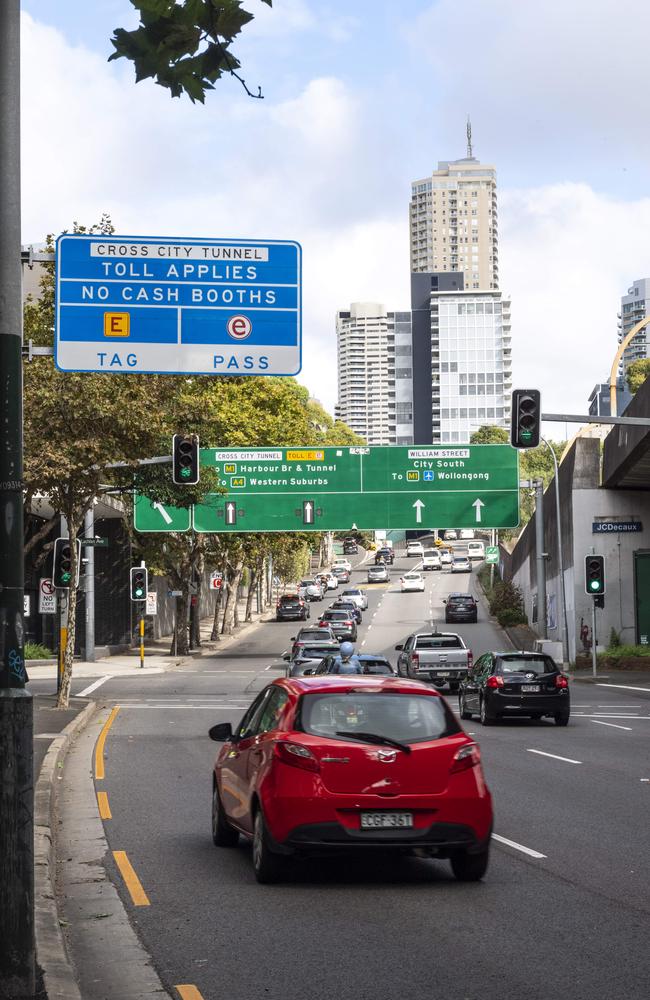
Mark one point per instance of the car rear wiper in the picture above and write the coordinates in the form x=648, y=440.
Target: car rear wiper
x=375, y=738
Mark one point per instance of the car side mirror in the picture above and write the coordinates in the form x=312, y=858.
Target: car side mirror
x=308, y=672
x=400, y=645
x=286, y=656
x=444, y=600
x=221, y=732
x=293, y=638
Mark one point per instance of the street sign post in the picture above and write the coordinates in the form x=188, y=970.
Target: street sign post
x=152, y=304
x=330, y=489
x=46, y=596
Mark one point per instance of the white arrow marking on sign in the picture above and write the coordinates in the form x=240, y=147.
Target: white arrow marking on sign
x=418, y=511
x=163, y=513
x=230, y=513
x=308, y=509
x=477, y=505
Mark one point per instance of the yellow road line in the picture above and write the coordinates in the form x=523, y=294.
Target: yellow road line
x=187, y=992
x=133, y=883
x=104, y=808
x=99, y=748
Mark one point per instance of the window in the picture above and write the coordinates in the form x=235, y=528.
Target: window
x=272, y=711
x=247, y=725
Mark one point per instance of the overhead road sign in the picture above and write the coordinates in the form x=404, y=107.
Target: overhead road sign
x=330, y=489
x=160, y=305
x=152, y=516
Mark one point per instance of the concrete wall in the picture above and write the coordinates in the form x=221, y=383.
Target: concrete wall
x=583, y=502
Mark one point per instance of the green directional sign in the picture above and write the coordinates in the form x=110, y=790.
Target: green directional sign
x=330, y=489
x=491, y=553
x=152, y=516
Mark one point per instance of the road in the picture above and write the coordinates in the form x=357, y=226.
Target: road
x=564, y=908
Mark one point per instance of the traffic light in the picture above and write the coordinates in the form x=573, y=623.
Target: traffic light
x=139, y=583
x=185, y=459
x=595, y=575
x=62, y=564
x=526, y=417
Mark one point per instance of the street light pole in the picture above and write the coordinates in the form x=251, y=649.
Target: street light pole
x=560, y=558
x=16, y=708
x=541, y=555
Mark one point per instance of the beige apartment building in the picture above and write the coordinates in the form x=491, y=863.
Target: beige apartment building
x=454, y=222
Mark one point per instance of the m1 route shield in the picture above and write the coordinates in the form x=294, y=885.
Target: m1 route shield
x=159, y=305
x=330, y=489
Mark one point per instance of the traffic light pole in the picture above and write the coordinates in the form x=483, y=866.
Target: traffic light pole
x=594, y=652
x=16, y=708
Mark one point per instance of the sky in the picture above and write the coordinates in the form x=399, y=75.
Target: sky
x=360, y=99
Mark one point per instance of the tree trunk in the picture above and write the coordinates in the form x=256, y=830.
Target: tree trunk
x=196, y=617
x=182, y=631
x=234, y=577
x=63, y=697
x=252, y=587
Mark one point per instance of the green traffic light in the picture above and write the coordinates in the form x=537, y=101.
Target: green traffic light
x=185, y=473
x=595, y=585
x=65, y=577
x=139, y=592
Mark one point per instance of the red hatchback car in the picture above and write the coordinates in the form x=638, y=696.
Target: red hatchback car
x=350, y=763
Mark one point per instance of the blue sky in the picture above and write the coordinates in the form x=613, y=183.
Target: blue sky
x=360, y=99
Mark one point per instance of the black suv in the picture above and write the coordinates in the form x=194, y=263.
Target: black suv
x=290, y=607
x=350, y=547
x=460, y=608
x=387, y=555
x=502, y=685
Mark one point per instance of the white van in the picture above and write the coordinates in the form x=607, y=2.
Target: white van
x=476, y=550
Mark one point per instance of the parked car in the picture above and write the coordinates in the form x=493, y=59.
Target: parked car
x=314, y=633
x=311, y=589
x=439, y=657
x=460, y=608
x=476, y=550
x=367, y=664
x=431, y=560
x=340, y=604
x=341, y=573
x=378, y=574
x=414, y=548
x=451, y=535
x=291, y=606
x=308, y=657
x=411, y=581
x=460, y=563
x=343, y=625
x=357, y=595
x=279, y=778
x=513, y=684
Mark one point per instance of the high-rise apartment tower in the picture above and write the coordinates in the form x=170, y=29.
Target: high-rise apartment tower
x=634, y=307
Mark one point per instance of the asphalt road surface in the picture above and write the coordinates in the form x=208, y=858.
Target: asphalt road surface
x=563, y=911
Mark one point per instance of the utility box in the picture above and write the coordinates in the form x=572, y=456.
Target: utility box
x=550, y=648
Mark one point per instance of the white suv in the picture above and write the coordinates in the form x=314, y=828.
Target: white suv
x=414, y=549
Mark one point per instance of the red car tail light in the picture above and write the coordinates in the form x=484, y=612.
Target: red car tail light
x=296, y=755
x=465, y=758
x=494, y=682
x=561, y=681
x=470, y=659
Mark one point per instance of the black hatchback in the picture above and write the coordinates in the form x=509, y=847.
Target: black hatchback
x=460, y=608
x=290, y=607
x=513, y=684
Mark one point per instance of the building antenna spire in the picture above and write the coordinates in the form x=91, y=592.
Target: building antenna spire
x=470, y=153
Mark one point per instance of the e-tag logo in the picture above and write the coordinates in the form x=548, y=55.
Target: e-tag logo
x=239, y=327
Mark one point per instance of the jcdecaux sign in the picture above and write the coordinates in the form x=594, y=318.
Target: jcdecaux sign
x=150, y=304
x=326, y=489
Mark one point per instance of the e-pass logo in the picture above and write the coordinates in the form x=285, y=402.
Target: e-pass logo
x=239, y=327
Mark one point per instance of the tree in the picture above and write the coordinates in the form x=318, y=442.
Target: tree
x=637, y=373
x=184, y=46
x=490, y=434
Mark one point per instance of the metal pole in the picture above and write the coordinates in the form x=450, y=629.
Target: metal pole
x=89, y=579
x=141, y=639
x=541, y=555
x=560, y=558
x=16, y=707
x=594, y=652
x=493, y=536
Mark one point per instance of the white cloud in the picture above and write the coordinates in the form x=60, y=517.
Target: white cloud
x=568, y=254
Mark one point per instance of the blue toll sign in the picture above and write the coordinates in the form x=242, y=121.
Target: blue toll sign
x=151, y=304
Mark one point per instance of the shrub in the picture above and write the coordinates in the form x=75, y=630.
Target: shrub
x=505, y=596
x=623, y=652
x=614, y=639
x=508, y=617
x=34, y=651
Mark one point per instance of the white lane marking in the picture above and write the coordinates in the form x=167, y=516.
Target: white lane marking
x=518, y=847
x=644, y=779
x=611, y=725
x=213, y=708
x=542, y=753
x=625, y=687
x=93, y=687
x=602, y=715
x=618, y=707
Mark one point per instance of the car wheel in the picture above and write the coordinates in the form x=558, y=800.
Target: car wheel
x=266, y=865
x=453, y=687
x=561, y=718
x=486, y=719
x=462, y=708
x=470, y=867
x=223, y=834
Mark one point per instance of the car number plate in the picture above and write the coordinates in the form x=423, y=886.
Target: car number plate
x=530, y=688
x=386, y=820
x=442, y=673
